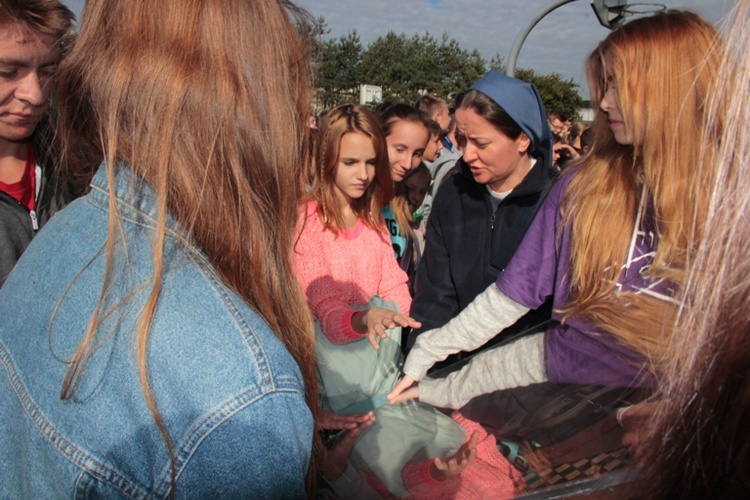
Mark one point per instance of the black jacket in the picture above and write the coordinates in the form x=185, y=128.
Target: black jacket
x=463, y=237
x=16, y=225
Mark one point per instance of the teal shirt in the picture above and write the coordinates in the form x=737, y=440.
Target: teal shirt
x=398, y=240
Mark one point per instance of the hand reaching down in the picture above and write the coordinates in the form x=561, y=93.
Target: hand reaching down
x=404, y=390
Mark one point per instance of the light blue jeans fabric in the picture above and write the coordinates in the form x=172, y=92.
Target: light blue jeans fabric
x=230, y=394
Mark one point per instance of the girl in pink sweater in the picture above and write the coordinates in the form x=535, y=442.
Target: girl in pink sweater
x=356, y=290
x=344, y=254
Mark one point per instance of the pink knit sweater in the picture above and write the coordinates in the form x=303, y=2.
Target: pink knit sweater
x=489, y=475
x=337, y=271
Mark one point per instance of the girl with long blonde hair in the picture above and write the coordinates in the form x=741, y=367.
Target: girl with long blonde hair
x=610, y=241
x=168, y=348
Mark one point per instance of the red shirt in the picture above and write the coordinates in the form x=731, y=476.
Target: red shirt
x=25, y=189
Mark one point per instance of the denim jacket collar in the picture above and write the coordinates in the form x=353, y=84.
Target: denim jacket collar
x=134, y=197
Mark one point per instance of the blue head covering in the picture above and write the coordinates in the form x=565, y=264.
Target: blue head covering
x=523, y=104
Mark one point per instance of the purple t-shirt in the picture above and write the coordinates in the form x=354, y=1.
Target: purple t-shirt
x=577, y=352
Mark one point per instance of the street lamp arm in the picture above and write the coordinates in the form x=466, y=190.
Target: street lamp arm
x=513, y=57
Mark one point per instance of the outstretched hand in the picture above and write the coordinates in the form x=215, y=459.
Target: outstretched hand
x=404, y=389
x=456, y=463
x=376, y=320
x=334, y=460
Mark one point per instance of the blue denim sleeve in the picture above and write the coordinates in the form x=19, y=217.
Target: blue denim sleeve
x=262, y=451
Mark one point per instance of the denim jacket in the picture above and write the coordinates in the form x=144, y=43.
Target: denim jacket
x=230, y=394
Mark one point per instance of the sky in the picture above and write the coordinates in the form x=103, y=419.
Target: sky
x=558, y=43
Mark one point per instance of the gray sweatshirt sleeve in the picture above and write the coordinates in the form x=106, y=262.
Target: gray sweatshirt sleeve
x=511, y=365
x=489, y=313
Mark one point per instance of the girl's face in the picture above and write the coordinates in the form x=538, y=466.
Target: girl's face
x=610, y=105
x=406, y=144
x=493, y=157
x=355, y=167
x=417, y=186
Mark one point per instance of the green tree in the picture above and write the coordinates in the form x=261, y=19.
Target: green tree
x=406, y=68
x=387, y=62
x=498, y=63
x=455, y=69
x=312, y=32
x=339, y=71
x=557, y=93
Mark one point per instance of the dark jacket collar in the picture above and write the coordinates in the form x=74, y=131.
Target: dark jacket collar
x=538, y=178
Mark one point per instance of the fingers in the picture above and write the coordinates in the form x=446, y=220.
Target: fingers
x=456, y=463
x=451, y=466
x=640, y=411
x=363, y=417
x=635, y=421
x=372, y=338
x=334, y=460
x=328, y=421
x=410, y=393
x=376, y=332
x=377, y=320
x=634, y=444
x=378, y=317
x=379, y=330
x=472, y=442
x=389, y=321
x=403, y=384
x=354, y=420
x=333, y=421
x=629, y=439
x=405, y=321
x=463, y=457
x=472, y=446
x=468, y=451
x=347, y=442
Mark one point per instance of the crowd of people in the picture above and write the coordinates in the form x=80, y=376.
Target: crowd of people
x=206, y=294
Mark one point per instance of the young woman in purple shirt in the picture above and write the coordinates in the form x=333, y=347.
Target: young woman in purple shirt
x=609, y=243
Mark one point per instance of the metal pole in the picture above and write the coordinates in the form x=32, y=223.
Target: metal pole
x=513, y=57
